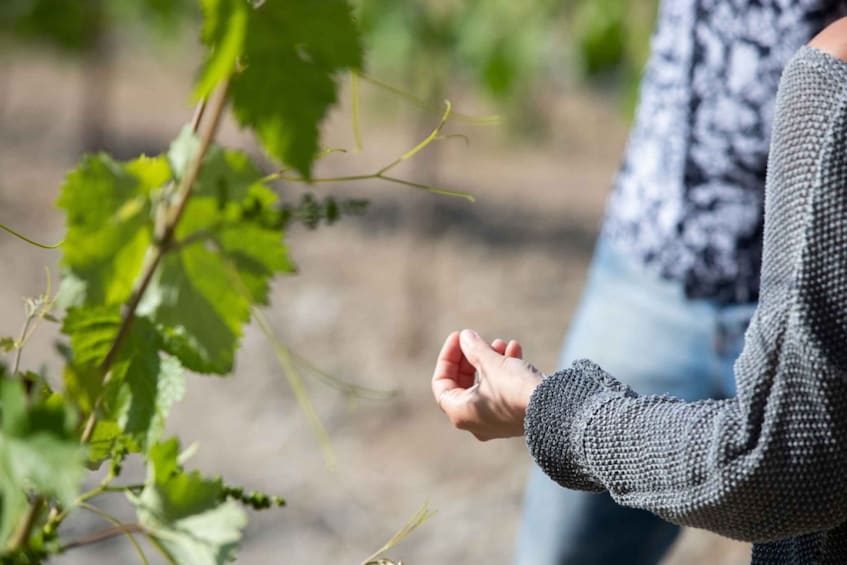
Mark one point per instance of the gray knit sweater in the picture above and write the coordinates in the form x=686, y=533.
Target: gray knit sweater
x=769, y=466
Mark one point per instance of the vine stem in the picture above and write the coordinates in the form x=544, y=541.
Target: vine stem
x=161, y=247
x=435, y=135
x=21, y=236
x=476, y=120
x=19, y=352
x=183, y=194
x=121, y=530
x=26, y=526
x=113, y=520
x=159, y=250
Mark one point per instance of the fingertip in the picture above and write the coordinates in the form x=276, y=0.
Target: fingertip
x=499, y=346
x=451, y=347
x=469, y=337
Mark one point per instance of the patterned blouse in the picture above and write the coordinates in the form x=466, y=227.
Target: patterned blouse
x=688, y=200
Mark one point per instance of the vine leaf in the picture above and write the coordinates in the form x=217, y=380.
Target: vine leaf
x=108, y=208
x=149, y=384
x=38, y=450
x=185, y=512
x=275, y=42
x=229, y=219
x=106, y=433
x=144, y=383
x=92, y=330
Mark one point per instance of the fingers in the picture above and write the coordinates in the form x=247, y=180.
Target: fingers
x=512, y=349
x=476, y=350
x=482, y=409
x=447, y=366
x=452, y=369
x=459, y=358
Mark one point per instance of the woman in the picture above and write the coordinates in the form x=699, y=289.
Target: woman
x=766, y=466
x=675, y=276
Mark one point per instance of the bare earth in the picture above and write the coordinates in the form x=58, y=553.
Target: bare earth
x=374, y=298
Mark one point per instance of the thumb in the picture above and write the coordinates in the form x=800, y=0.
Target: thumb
x=476, y=350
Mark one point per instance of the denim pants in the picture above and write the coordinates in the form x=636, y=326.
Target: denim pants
x=644, y=331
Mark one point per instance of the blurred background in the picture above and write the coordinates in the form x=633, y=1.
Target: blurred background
x=376, y=294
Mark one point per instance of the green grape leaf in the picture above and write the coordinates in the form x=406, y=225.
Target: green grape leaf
x=92, y=330
x=108, y=208
x=226, y=175
x=144, y=384
x=274, y=42
x=162, y=461
x=170, y=389
x=224, y=257
x=256, y=254
x=83, y=384
x=147, y=384
x=224, y=28
x=186, y=512
x=193, y=295
x=106, y=433
x=243, y=223
x=38, y=451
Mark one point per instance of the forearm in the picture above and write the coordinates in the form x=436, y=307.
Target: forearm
x=768, y=464
x=726, y=466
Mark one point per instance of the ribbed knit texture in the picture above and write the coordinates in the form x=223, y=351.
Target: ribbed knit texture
x=769, y=466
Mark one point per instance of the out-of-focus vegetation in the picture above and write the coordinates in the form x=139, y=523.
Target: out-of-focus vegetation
x=78, y=25
x=511, y=51
x=81, y=28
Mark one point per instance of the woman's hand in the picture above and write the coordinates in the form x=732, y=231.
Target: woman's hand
x=494, y=405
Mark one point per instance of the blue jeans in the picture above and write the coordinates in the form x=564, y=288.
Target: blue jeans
x=644, y=331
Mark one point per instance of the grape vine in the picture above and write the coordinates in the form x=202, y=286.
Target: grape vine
x=165, y=260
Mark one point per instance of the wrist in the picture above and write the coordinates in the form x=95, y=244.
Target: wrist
x=529, y=387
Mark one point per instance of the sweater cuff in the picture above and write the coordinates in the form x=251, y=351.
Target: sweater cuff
x=557, y=416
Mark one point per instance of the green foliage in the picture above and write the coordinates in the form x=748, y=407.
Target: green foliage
x=501, y=45
x=108, y=207
x=253, y=499
x=504, y=48
x=66, y=24
x=185, y=513
x=143, y=385
x=38, y=451
x=165, y=260
x=308, y=40
x=600, y=35
x=228, y=246
x=312, y=211
x=77, y=25
x=612, y=36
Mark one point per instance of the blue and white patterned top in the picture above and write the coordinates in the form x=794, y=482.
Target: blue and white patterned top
x=688, y=200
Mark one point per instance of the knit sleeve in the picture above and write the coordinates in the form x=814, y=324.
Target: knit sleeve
x=769, y=463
